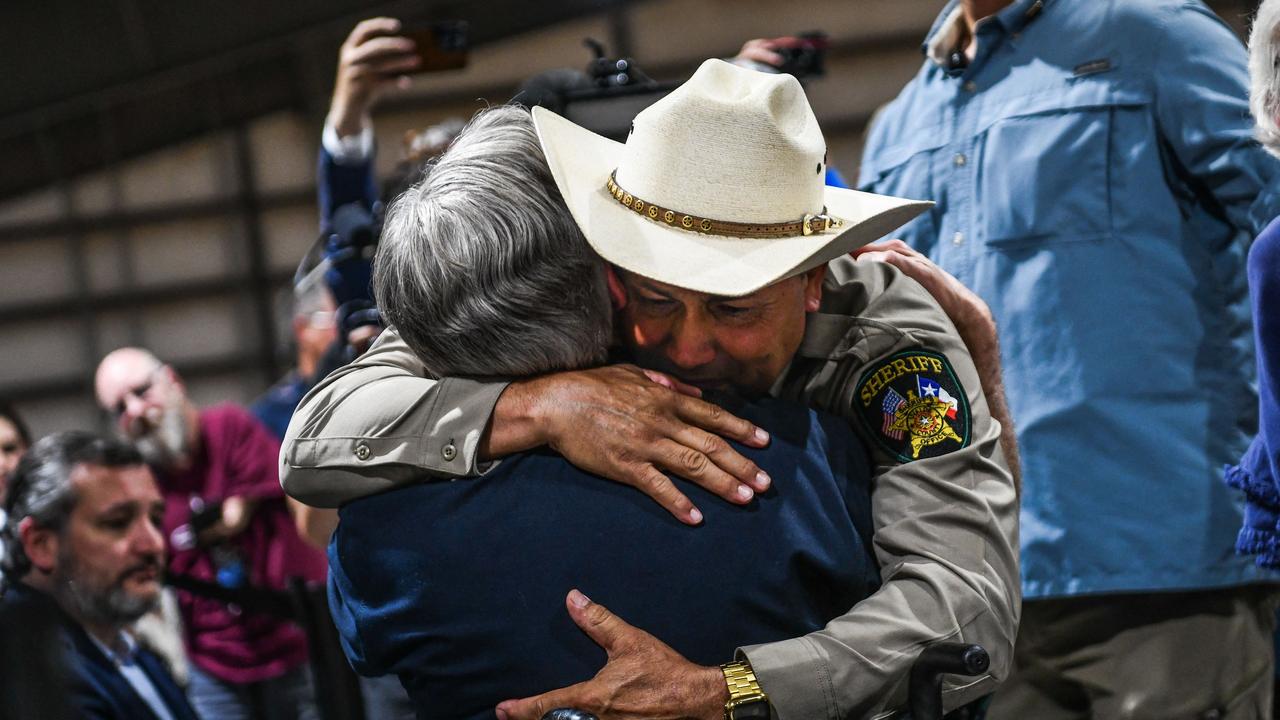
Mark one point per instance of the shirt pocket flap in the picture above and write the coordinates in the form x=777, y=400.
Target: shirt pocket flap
x=1044, y=174
x=912, y=144
x=1069, y=95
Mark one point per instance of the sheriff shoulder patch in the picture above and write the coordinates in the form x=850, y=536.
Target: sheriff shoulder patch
x=913, y=405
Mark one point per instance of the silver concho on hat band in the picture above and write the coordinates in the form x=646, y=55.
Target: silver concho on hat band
x=808, y=225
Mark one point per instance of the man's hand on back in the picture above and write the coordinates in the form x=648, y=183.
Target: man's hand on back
x=643, y=677
x=973, y=320
x=971, y=315
x=631, y=425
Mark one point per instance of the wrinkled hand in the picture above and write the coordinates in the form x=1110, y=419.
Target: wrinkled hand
x=643, y=677
x=236, y=513
x=629, y=425
x=764, y=50
x=964, y=307
x=371, y=59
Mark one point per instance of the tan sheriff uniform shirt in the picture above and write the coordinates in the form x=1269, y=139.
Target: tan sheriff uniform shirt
x=880, y=352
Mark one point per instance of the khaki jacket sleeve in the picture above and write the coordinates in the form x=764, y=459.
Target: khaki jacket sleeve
x=945, y=527
x=381, y=422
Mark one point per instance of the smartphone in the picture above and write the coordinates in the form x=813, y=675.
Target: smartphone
x=441, y=46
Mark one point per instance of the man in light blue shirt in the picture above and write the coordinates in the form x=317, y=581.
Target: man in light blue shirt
x=1097, y=184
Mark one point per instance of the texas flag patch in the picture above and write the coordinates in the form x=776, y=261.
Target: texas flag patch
x=929, y=388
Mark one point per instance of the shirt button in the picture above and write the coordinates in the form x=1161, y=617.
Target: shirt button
x=960, y=159
x=449, y=452
x=971, y=86
x=363, y=452
x=957, y=239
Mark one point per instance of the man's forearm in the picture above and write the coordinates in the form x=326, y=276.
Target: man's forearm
x=946, y=533
x=514, y=425
x=956, y=582
x=382, y=422
x=848, y=670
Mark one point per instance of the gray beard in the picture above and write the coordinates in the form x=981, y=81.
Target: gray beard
x=166, y=445
x=113, y=606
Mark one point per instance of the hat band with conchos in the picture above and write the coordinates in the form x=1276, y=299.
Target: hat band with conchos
x=808, y=225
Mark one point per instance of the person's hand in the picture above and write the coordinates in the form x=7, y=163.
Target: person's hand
x=630, y=425
x=314, y=525
x=236, y=513
x=372, y=58
x=765, y=50
x=968, y=311
x=642, y=678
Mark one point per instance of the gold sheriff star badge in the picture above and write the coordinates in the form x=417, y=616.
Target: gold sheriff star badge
x=925, y=420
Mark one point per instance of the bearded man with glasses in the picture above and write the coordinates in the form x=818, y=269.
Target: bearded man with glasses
x=243, y=662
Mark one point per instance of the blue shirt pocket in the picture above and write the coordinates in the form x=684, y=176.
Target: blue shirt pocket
x=1044, y=173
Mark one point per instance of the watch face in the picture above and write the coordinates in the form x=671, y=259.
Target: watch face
x=758, y=710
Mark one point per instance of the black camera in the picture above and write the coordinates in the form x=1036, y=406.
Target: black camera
x=806, y=58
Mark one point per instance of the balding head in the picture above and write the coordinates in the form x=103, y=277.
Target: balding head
x=122, y=369
x=149, y=404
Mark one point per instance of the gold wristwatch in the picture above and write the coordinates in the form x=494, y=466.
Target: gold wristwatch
x=746, y=700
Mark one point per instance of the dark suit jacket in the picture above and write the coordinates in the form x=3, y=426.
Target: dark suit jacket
x=458, y=587
x=98, y=690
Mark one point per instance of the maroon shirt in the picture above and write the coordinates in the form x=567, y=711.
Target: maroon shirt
x=239, y=456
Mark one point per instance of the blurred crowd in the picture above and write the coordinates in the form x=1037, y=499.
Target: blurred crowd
x=1038, y=413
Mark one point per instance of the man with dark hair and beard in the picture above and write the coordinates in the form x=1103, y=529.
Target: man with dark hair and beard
x=243, y=663
x=83, y=536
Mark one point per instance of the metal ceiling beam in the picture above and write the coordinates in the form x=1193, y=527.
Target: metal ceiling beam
x=167, y=106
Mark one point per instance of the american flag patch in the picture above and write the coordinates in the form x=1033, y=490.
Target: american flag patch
x=892, y=401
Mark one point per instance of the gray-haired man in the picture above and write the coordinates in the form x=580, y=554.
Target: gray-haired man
x=945, y=503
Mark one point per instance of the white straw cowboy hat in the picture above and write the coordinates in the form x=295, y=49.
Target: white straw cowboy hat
x=719, y=188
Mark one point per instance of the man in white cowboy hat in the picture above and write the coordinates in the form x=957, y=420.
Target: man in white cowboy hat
x=466, y=600
x=1098, y=183
x=727, y=267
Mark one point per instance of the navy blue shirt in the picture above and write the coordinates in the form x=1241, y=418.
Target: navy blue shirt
x=459, y=587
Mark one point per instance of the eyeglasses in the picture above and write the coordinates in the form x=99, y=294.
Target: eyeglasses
x=139, y=391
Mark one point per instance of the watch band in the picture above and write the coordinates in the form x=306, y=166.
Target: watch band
x=745, y=693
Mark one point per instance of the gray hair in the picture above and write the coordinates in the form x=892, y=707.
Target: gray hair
x=1264, y=74
x=482, y=268
x=41, y=487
